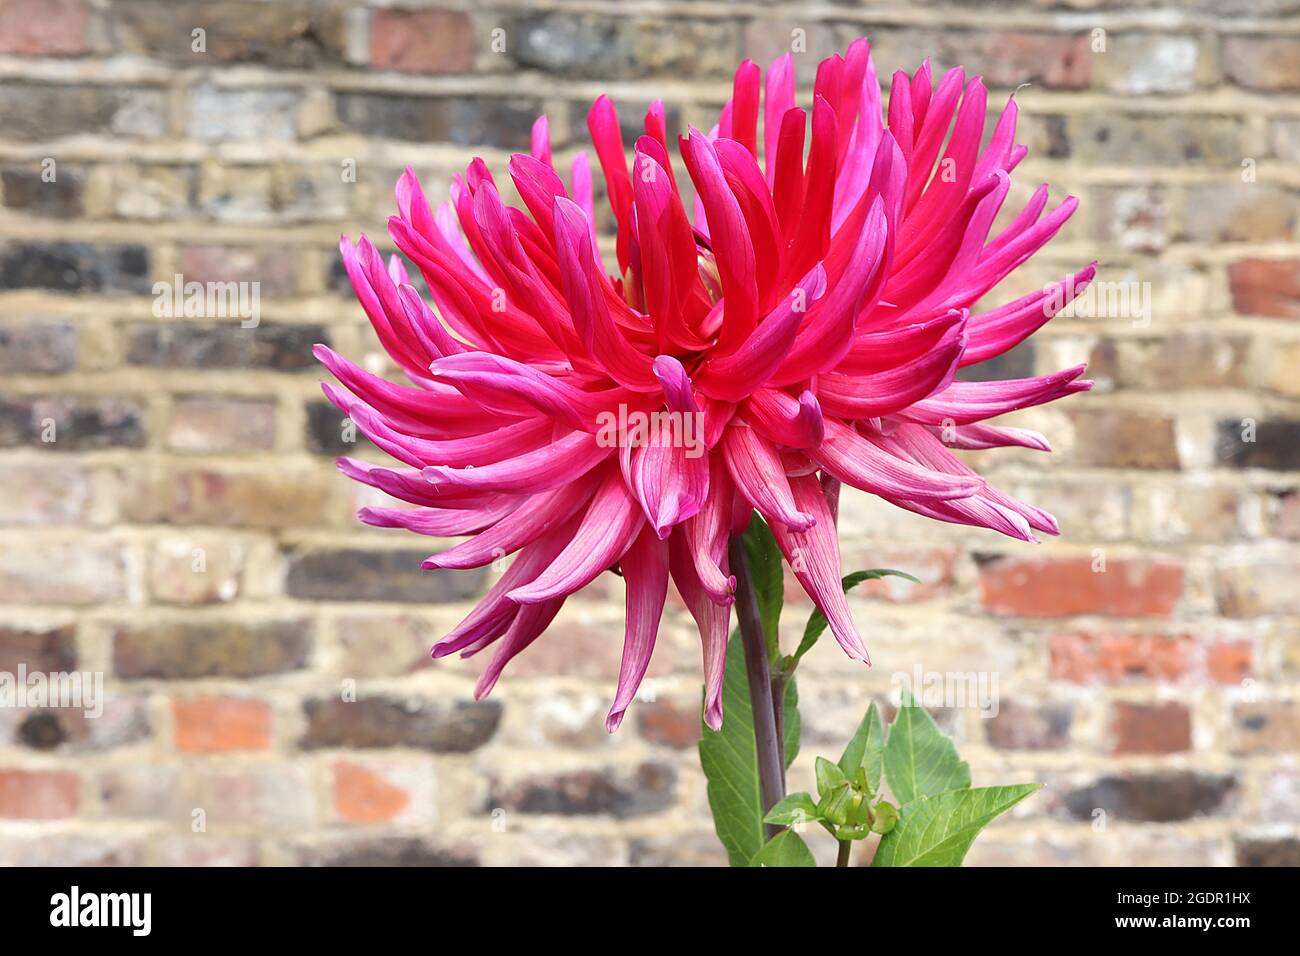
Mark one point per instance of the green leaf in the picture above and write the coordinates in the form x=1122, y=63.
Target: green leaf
x=730, y=761
x=817, y=620
x=937, y=830
x=866, y=749
x=768, y=575
x=785, y=849
x=919, y=760
x=795, y=809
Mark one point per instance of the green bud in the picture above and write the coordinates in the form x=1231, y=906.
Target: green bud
x=886, y=817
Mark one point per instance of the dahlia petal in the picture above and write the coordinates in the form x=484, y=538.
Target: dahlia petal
x=440, y=522
x=473, y=450
x=711, y=618
x=788, y=181
x=874, y=394
x=731, y=377
x=541, y=140
x=730, y=238
x=409, y=485
x=814, y=557
x=518, y=528
x=645, y=571
x=827, y=333
x=607, y=530
x=584, y=289
x=962, y=403
x=786, y=422
x=668, y=474
x=545, y=468
x=706, y=535
x=978, y=436
x=993, y=333
x=607, y=137
x=760, y=477
x=778, y=99
x=527, y=626
x=856, y=460
x=495, y=612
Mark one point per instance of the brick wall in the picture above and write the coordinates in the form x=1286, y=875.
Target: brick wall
x=185, y=533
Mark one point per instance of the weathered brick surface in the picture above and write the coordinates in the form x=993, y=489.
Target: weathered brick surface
x=171, y=516
x=387, y=722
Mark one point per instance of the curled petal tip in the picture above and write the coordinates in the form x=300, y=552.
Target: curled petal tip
x=713, y=718
x=614, y=721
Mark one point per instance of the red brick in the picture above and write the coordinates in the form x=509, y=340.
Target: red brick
x=1108, y=658
x=221, y=724
x=421, y=41
x=1230, y=662
x=362, y=795
x=1268, y=287
x=1150, y=728
x=43, y=27
x=38, y=794
x=668, y=723
x=1061, y=587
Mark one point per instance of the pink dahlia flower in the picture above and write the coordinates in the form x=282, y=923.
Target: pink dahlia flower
x=799, y=323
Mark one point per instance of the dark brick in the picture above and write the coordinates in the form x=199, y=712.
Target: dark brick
x=1264, y=851
x=624, y=47
x=325, y=431
x=80, y=424
x=351, y=574
x=648, y=788
x=1124, y=439
x=74, y=267
x=38, y=346
x=1158, y=797
x=1016, y=363
x=458, y=727
x=50, y=650
x=1030, y=727
x=465, y=121
x=1156, y=140
x=26, y=189
x=42, y=731
x=280, y=347
x=385, y=851
x=42, y=112
x=206, y=648
x=289, y=33
x=1276, y=445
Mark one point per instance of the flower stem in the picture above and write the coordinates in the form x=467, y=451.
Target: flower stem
x=846, y=847
x=771, y=758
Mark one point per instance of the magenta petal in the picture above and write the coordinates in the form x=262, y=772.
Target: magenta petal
x=814, y=557
x=645, y=571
